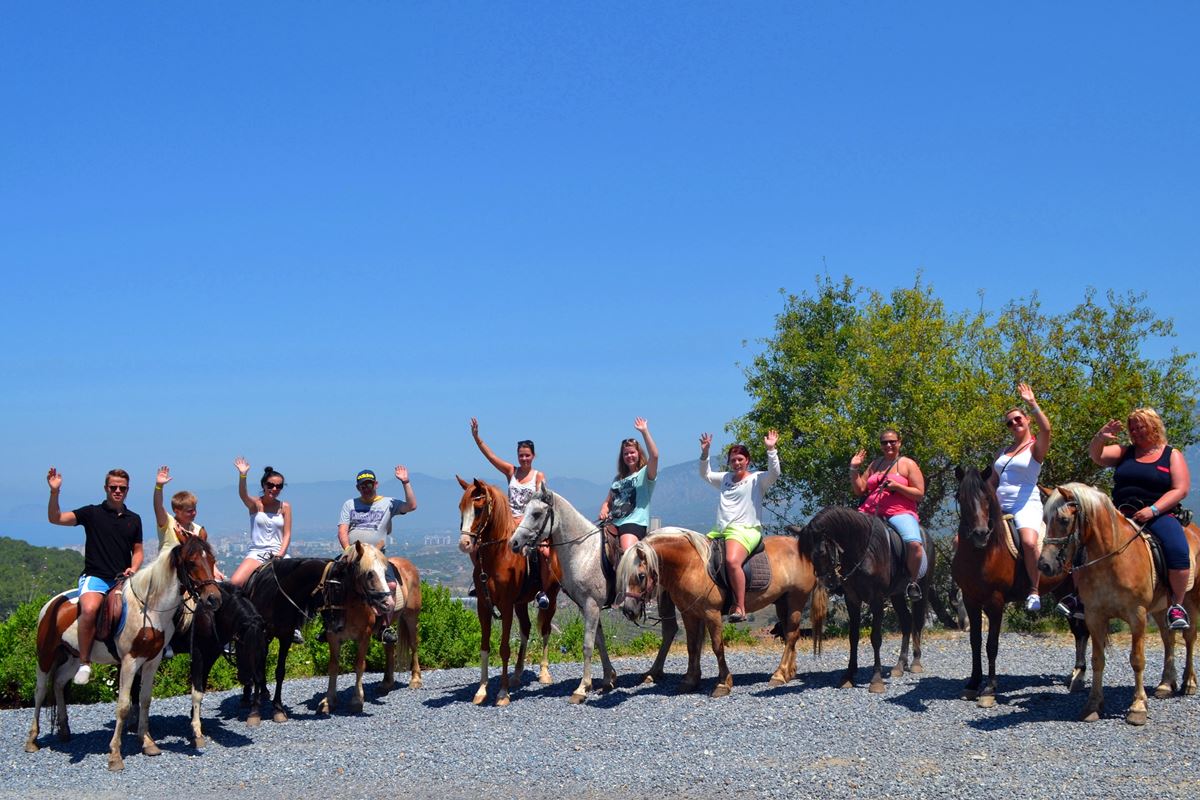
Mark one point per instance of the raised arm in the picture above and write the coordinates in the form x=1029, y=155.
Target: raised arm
x=858, y=481
x=710, y=477
x=1104, y=449
x=243, y=467
x=774, y=468
x=1041, y=445
x=495, y=460
x=651, y=448
x=160, y=510
x=410, y=499
x=57, y=517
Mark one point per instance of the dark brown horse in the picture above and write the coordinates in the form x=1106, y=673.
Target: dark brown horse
x=501, y=582
x=989, y=576
x=852, y=552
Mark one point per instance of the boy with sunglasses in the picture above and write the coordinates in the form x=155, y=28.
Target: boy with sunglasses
x=112, y=549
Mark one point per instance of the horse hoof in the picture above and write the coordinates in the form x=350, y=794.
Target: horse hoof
x=986, y=701
x=774, y=682
x=356, y=708
x=1189, y=690
x=64, y=736
x=846, y=684
x=1136, y=717
x=876, y=687
x=280, y=716
x=1163, y=692
x=324, y=708
x=115, y=764
x=415, y=683
x=577, y=698
x=151, y=749
x=650, y=677
x=384, y=688
x=200, y=742
x=721, y=691
x=688, y=688
x=898, y=671
x=1089, y=716
x=31, y=747
x=253, y=721
x=916, y=668
x=480, y=697
x=969, y=694
x=502, y=701
x=544, y=679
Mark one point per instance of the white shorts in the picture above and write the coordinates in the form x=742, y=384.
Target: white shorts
x=1028, y=515
x=263, y=554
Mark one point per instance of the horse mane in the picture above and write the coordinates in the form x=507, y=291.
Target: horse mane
x=501, y=519
x=1092, y=505
x=701, y=543
x=625, y=566
x=161, y=574
x=836, y=518
x=973, y=482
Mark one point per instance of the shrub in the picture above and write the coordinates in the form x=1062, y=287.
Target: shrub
x=449, y=631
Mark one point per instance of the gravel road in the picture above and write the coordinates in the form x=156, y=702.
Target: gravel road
x=804, y=739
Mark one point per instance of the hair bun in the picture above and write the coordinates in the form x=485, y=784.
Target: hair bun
x=268, y=470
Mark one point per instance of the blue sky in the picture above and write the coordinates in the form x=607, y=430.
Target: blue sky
x=325, y=235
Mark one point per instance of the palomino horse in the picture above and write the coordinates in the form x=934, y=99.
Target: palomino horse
x=286, y=592
x=989, y=576
x=151, y=597
x=500, y=582
x=577, y=541
x=1116, y=580
x=853, y=550
x=674, y=562
x=356, y=592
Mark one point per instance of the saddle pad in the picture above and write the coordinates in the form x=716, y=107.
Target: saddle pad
x=757, y=567
x=1158, y=561
x=1013, y=539
x=105, y=629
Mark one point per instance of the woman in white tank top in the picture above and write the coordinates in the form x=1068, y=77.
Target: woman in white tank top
x=1014, y=477
x=270, y=521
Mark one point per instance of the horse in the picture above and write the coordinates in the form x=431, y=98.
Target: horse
x=578, y=542
x=500, y=582
x=1117, y=580
x=408, y=641
x=286, y=592
x=356, y=593
x=150, y=597
x=670, y=566
x=989, y=576
x=852, y=550
x=204, y=634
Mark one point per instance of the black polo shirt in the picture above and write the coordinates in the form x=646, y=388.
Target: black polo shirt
x=109, y=538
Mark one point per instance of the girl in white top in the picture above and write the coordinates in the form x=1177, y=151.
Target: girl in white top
x=523, y=481
x=739, y=513
x=1015, y=476
x=270, y=521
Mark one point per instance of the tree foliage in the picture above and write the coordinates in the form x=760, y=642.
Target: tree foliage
x=845, y=362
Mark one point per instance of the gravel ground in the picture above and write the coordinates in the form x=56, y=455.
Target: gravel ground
x=806, y=738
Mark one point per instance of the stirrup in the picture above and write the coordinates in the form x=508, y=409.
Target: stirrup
x=913, y=591
x=389, y=635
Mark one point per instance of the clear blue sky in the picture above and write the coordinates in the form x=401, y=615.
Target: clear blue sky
x=324, y=235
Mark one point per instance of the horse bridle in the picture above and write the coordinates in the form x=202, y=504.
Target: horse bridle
x=1073, y=536
x=336, y=600
x=474, y=534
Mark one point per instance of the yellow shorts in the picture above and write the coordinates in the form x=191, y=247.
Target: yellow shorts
x=748, y=536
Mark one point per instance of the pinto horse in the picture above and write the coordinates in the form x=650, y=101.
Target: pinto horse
x=670, y=566
x=356, y=594
x=577, y=542
x=1117, y=580
x=989, y=576
x=500, y=582
x=286, y=592
x=852, y=550
x=151, y=597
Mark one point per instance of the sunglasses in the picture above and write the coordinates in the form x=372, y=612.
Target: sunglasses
x=364, y=484
x=115, y=489
x=1008, y=423
x=276, y=486
x=886, y=442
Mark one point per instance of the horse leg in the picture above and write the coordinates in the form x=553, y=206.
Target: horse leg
x=60, y=681
x=413, y=642
x=39, y=697
x=329, y=702
x=1137, y=659
x=1169, y=683
x=716, y=631
x=670, y=627
x=920, y=613
x=790, y=620
x=904, y=616
x=524, y=626
x=485, y=630
x=149, y=748
x=115, y=762
x=610, y=672
x=1098, y=630
x=545, y=615
x=285, y=643
x=389, y=666
x=876, y=686
x=995, y=615
x=502, y=698
x=854, y=612
x=591, y=620
x=975, y=620
x=360, y=667
x=693, y=627
x=1189, y=670
x=201, y=664
x=1079, y=629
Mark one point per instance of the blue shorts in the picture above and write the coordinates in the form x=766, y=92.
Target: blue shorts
x=907, y=526
x=90, y=583
x=1173, y=540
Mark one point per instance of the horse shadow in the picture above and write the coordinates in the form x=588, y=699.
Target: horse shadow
x=173, y=734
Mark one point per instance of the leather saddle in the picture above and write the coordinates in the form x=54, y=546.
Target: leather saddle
x=110, y=620
x=756, y=568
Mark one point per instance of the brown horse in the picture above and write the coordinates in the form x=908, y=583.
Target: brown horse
x=408, y=612
x=151, y=597
x=1117, y=580
x=670, y=566
x=989, y=576
x=500, y=582
x=356, y=592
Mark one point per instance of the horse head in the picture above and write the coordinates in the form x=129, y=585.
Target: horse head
x=538, y=521
x=819, y=549
x=637, y=575
x=476, y=510
x=978, y=506
x=1063, y=517
x=195, y=567
x=369, y=569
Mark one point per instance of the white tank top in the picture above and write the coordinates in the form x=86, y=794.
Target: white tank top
x=1018, y=479
x=520, y=493
x=266, y=530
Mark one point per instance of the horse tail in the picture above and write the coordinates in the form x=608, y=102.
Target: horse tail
x=818, y=608
x=404, y=648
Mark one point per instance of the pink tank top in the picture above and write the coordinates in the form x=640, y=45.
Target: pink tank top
x=886, y=503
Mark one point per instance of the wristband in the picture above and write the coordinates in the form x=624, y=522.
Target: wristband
x=1154, y=509
x=158, y=487
x=241, y=476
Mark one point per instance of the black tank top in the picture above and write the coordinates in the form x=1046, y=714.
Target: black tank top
x=1137, y=485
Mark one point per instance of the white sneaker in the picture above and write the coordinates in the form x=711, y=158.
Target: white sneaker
x=168, y=653
x=83, y=674
x=1033, y=603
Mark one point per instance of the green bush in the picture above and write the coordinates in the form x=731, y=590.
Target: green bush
x=449, y=631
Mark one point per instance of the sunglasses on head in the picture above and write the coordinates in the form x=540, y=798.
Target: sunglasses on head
x=112, y=488
x=1008, y=423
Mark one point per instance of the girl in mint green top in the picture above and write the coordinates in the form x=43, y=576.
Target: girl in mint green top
x=628, y=500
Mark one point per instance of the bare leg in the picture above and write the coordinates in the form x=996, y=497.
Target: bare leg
x=735, y=556
x=1030, y=553
x=89, y=607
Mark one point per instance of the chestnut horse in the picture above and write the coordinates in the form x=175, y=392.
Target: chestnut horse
x=670, y=566
x=355, y=592
x=500, y=582
x=852, y=550
x=989, y=576
x=1117, y=581
x=151, y=597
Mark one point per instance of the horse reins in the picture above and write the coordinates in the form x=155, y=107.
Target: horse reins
x=1059, y=541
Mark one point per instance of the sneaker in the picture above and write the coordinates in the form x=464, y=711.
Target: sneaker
x=228, y=648
x=297, y=636
x=1033, y=602
x=472, y=593
x=737, y=616
x=168, y=652
x=389, y=635
x=913, y=591
x=83, y=674
x=1070, y=607
x=542, y=600
x=1177, y=618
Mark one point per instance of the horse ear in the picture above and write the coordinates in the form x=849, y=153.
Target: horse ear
x=986, y=473
x=479, y=485
x=382, y=543
x=1044, y=492
x=462, y=483
x=358, y=549
x=544, y=494
x=958, y=473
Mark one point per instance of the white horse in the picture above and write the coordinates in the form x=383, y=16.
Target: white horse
x=577, y=540
x=151, y=597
